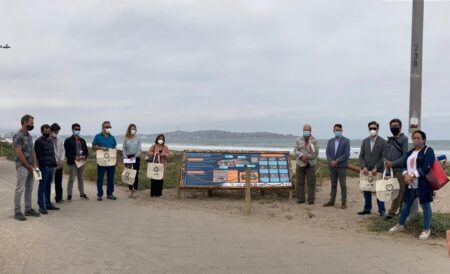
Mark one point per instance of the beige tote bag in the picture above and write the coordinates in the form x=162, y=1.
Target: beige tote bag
x=107, y=158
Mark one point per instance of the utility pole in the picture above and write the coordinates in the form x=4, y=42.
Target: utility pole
x=415, y=93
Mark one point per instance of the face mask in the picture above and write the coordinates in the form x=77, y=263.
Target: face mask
x=76, y=132
x=373, y=133
x=418, y=143
x=133, y=132
x=306, y=133
x=46, y=135
x=108, y=130
x=395, y=130
x=30, y=128
x=338, y=134
x=160, y=142
x=54, y=135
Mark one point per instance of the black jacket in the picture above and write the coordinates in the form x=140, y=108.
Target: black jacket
x=70, y=146
x=45, y=152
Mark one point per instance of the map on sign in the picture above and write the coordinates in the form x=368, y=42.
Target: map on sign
x=225, y=169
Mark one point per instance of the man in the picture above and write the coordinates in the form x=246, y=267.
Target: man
x=105, y=141
x=25, y=165
x=338, y=153
x=306, y=150
x=394, y=155
x=371, y=162
x=76, y=152
x=45, y=154
x=59, y=153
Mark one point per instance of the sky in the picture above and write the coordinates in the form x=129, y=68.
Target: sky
x=241, y=66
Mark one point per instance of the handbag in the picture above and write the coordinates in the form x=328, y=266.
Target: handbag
x=436, y=177
x=128, y=175
x=368, y=183
x=387, y=188
x=106, y=158
x=155, y=170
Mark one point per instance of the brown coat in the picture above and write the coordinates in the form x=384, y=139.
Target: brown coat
x=164, y=154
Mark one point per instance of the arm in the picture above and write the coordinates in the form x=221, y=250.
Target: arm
x=428, y=161
x=151, y=151
x=85, y=149
x=139, y=152
x=165, y=153
x=297, y=149
x=124, y=150
x=362, y=154
x=315, y=154
x=68, y=152
x=328, y=152
x=380, y=163
x=399, y=162
x=346, y=154
x=114, y=143
x=38, y=151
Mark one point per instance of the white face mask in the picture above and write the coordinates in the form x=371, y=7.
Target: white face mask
x=107, y=130
x=54, y=135
x=133, y=132
x=160, y=142
x=373, y=133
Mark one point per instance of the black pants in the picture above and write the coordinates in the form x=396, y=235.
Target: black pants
x=156, y=188
x=135, y=166
x=58, y=184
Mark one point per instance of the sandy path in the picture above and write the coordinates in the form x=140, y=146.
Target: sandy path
x=202, y=235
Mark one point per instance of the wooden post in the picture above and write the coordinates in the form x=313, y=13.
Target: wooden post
x=248, y=193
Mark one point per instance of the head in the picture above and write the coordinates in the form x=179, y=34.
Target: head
x=55, y=128
x=76, y=128
x=419, y=139
x=396, y=126
x=373, y=128
x=337, y=129
x=27, y=122
x=106, y=127
x=159, y=138
x=307, y=131
x=45, y=130
x=131, y=131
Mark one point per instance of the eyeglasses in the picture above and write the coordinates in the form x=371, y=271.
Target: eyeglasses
x=107, y=127
x=77, y=129
x=373, y=128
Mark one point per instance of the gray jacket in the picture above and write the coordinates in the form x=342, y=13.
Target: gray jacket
x=310, y=149
x=342, y=154
x=395, y=150
x=372, y=159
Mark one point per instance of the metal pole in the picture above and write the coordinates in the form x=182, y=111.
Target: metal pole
x=415, y=94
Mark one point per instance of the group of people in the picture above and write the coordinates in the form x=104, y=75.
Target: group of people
x=376, y=155
x=45, y=158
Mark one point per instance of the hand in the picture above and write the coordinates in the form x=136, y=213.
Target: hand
x=31, y=168
x=105, y=148
x=304, y=158
x=82, y=158
x=365, y=171
x=409, y=179
x=388, y=164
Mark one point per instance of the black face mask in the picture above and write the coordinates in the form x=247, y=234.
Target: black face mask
x=395, y=130
x=46, y=135
x=30, y=128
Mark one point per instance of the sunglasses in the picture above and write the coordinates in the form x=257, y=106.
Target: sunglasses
x=373, y=128
x=77, y=129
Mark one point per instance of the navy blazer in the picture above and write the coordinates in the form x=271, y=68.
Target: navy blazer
x=343, y=152
x=424, y=162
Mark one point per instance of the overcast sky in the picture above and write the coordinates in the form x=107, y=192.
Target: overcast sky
x=228, y=65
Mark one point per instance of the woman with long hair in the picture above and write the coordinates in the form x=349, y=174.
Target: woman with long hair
x=132, y=150
x=160, y=152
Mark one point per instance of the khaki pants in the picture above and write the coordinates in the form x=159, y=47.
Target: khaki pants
x=79, y=173
x=306, y=176
x=398, y=202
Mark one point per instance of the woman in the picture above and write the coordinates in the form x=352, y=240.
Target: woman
x=132, y=150
x=158, y=151
x=418, y=163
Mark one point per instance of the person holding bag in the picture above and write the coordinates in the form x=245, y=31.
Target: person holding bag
x=418, y=164
x=158, y=152
x=132, y=150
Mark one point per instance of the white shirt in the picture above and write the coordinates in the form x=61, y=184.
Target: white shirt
x=411, y=164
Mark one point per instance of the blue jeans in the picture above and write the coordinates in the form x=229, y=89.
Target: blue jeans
x=44, y=186
x=368, y=203
x=110, y=173
x=412, y=194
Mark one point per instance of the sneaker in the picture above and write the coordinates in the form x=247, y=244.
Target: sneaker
x=32, y=213
x=364, y=212
x=343, y=206
x=69, y=198
x=396, y=228
x=84, y=197
x=111, y=197
x=329, y=204
x=19, y=217
x=52, y=207
x=300, y=202
x=60, y=202
x=425, y=235
x=389, y=216
x=43, y=211
x=382, y=214
x=99, y=198
x=310, y=202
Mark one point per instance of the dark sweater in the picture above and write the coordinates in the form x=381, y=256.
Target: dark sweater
x=45, y=152
x=70, y=146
